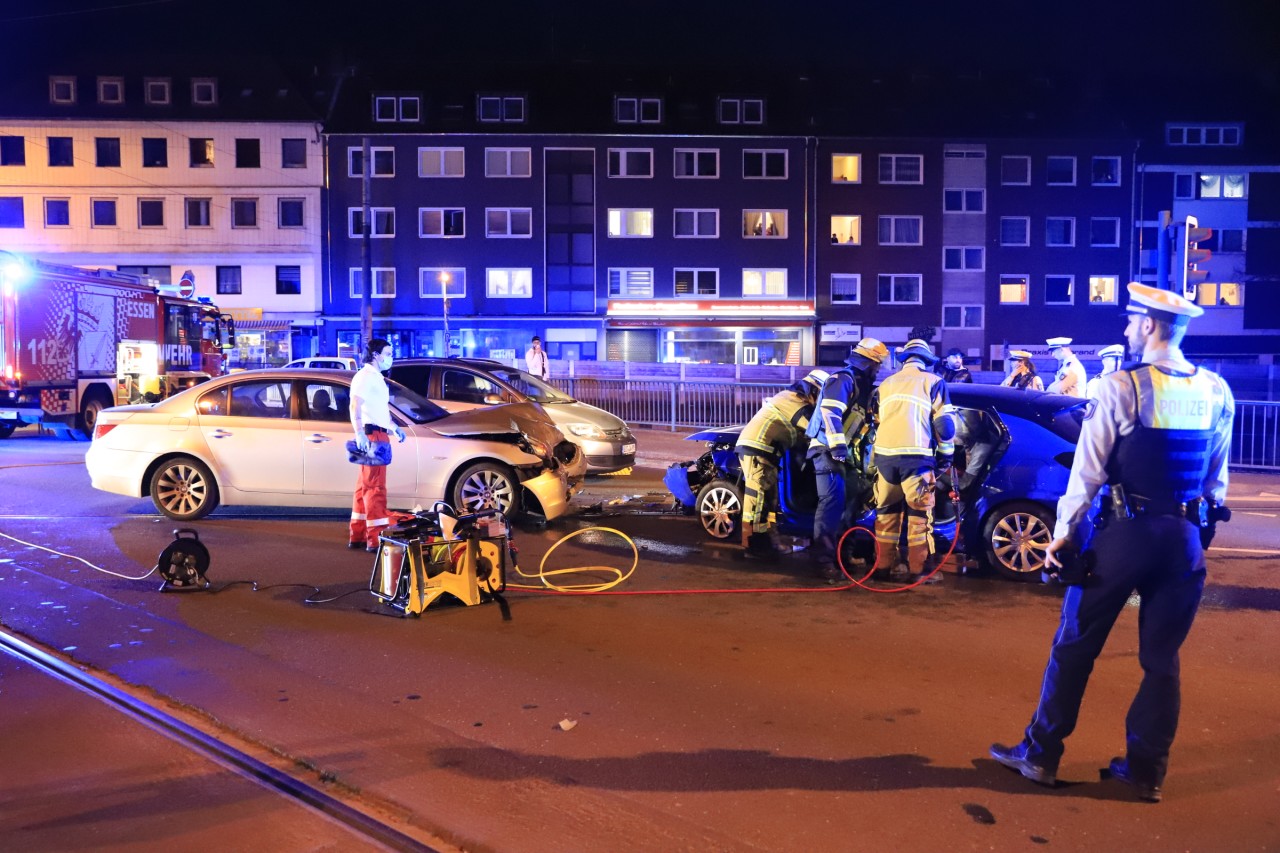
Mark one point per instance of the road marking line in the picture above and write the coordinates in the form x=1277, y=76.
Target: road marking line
x=1247, y=550
x=1259, y=514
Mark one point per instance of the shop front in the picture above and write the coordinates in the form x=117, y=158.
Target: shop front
x=771, y=332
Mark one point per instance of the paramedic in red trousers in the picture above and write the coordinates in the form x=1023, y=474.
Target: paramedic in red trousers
x=371, y=418
x=535, y=360
x=1159, y=434
x=841, y=420
x=916, y=435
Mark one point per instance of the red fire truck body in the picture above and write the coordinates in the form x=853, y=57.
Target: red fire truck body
x=74, y=342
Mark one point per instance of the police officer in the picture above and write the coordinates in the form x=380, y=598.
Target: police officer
x=1070, y=378
x=1159, y=435
x=778, y=426
x=1023, y=376
x=1111, y=357
x=915, y=424
x=838, y=429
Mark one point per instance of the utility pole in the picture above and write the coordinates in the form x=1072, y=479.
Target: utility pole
x=366, y=292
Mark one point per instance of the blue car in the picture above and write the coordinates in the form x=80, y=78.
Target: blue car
x=1014, y=456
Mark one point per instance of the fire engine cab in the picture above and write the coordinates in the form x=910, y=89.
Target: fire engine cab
x=75, y=341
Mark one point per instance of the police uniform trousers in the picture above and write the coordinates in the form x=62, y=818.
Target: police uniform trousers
x=369, y=506
x=905, y=488
x=1160, y=557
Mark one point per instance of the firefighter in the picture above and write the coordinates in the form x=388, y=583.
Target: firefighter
x=1023, y=376
x=1159, y=433
x=839, y=429
x=1111, y=357
x=916, y=425
x=1070, y=378
x=778, y=426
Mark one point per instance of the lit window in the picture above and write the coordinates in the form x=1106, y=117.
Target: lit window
x=1013, y=289
x=846, y=230
x=846, y=168
x=630, y=222
x=509, y=283
x=764, y=282
x=438, y=163
x=764, y=223
x=1222, y=294
x=1104, y=289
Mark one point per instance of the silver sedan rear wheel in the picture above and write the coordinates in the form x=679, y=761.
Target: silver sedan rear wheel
x=184, y=489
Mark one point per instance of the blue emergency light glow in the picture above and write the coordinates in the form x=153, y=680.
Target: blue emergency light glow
x=13, y=272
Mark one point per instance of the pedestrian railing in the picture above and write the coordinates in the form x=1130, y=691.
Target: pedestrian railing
x=1255, y=444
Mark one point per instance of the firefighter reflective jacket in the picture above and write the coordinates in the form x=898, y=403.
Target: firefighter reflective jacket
x=915, y=415
x=779, y=424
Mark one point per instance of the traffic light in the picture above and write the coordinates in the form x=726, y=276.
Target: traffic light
x=1191, y=258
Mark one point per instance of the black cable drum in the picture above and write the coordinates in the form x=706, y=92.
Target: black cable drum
x=185, y=562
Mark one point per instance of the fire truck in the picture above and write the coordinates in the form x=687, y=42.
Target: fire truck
x=75, y=341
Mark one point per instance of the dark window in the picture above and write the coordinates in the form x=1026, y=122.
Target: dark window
x=244, y=213
x=161, y=275
x=228, y=279
x=104, y=211
x=11, y=212
x=248, y=154
x=61, y=152
x=291, y=212
x=108, y=151
x=201, y=152
x=198, y=213
x=13, y=151
x=293, y=153
x=155, y=152
x=288, y=280
x=327, y=402
x=150, y=213
x=1057, y=289
x=57, y=211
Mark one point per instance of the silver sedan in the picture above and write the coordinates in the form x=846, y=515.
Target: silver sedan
x=278, y=438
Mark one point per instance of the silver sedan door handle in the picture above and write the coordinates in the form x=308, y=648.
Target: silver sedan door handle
x=316, y=438
x=222, y=433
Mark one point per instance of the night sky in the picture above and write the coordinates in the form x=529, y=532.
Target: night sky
x=1091, y=39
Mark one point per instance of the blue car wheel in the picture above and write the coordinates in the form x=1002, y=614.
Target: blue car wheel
x=720, y=508
x=1015, y=537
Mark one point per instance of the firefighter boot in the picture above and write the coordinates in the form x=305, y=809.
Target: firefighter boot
x=921, y=561
x=759, y=546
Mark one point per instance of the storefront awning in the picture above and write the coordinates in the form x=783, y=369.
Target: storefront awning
x=261, y=325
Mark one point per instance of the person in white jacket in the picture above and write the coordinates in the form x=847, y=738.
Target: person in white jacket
x=1070, y=378
x=536, y=361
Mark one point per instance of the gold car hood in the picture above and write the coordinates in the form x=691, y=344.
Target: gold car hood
x=507, y=418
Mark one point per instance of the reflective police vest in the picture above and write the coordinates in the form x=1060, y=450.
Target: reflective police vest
x=782, y=420
x=1166, y=457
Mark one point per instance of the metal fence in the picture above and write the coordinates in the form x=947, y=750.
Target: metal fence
x=1256, y=442
x=673, y=404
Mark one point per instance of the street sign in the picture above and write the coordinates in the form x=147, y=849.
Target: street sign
x=187, y=285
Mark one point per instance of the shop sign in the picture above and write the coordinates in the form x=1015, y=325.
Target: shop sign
x=705, y=309
x=841, y=333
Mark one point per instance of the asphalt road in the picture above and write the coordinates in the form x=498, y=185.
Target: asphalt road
x=802, y=720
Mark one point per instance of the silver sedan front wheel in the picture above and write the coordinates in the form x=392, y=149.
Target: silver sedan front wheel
x=487, y=485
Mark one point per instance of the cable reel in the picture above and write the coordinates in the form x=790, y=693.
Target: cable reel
x=184, y=563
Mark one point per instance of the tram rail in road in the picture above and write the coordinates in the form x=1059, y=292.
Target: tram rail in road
x=213, y=747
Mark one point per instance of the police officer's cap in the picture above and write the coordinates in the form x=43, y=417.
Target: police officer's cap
x=867, y=351
x=1161, y=304
x=916, y=348
x=1058, y=342
x=1020, y=353
x=1113, y=351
